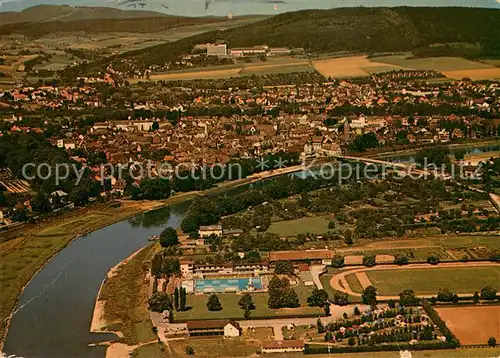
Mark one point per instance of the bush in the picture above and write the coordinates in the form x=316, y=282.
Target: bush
x=488, y=293
x=433, y=315
x=401, y=259
x=369, y=260
x=189, y=350
x=213, y=303
x=433, y=260
x=492, y=342
x=338, y=261
x=351, y=341
x=168, y=237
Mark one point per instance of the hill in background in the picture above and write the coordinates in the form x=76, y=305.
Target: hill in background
x=43, y=13
x=424, y=31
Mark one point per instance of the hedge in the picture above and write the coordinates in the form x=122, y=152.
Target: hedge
x=323, y=349
x=434, y=316
x=256, y=318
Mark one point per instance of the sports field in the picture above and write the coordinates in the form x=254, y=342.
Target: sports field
x=428, y=281
x=315, y=225
x=472, y=325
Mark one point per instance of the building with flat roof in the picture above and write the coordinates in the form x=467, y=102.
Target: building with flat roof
x=217, y=50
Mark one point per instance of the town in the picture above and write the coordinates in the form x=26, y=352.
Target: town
x=315, y=182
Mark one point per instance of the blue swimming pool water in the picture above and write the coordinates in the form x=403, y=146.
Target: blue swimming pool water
x=222, y=285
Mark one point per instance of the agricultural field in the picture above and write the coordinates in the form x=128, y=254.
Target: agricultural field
x=315, y=225
x=485, y=320
x=356, y=66
x=197, y=308
x=452, y=67
x=428, y=281
x=270, y=66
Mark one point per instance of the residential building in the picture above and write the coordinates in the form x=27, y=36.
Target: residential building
x=187, y=267
x=224, y=328
x=283, y=346
x=210, y=230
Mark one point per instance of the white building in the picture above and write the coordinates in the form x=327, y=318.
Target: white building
x=283, y=346
x=244, y=51
x=210, y=230
x=217, y=50
x=187, y=267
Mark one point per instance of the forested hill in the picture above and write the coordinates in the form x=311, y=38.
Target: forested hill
x=468, y=32
x=373, y=29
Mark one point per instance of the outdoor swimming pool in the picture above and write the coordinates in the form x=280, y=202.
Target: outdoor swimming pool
x=228, y=285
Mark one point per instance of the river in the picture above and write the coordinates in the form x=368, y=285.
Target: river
x=55, y=310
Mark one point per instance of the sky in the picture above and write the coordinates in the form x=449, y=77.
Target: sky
x=244, y=7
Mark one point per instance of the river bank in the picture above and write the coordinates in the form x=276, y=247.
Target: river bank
x=410, y=151
x=29, y=248
x=121, y=305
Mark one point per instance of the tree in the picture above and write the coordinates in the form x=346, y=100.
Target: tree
x=495, y=256
x=320, y=326
x=176, y=298
x=459, y=154
x=326, y=309
x=159, y=302
x=391, y=304
x=433, y=259
x=408, y=298
x=213, y=303
x=183, y=297
x=328, y=336
x=445, y=295
x=189, y=349
x=492, y=342
x=340, y=298
x=284, y=268
x=318, y=298
x=246, y=302
x=476, y=297
x=331, y=224
x=168, y=237
x=280, y=294
x=171, y=316
x=369, y=296
x=488, y=293
x=401, y=259
x=338, y=261
x=356, y=312
x=351, y=341
x=247, y=313
x=369, y=260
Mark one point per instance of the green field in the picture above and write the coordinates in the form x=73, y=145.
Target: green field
x=354, y=283
x=230, y=308
x=429, y=281
x=315, y=225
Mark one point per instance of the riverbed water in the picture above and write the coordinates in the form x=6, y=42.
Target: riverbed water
x=54, y=313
